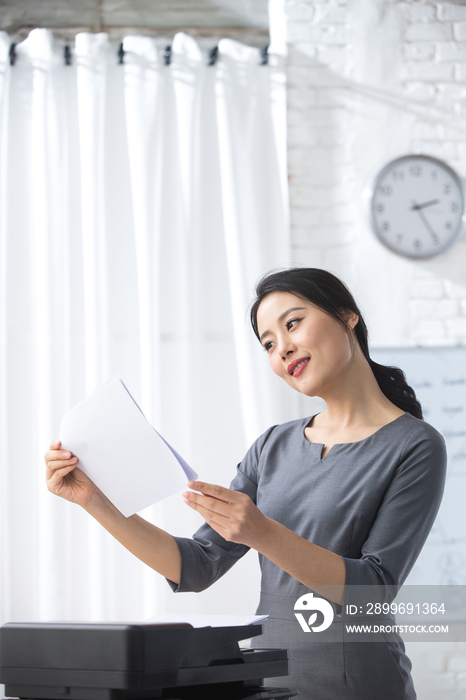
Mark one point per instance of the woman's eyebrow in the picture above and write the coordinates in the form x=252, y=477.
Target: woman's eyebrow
x=282, y=316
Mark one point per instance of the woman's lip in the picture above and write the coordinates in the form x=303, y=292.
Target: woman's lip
x=297, y=372
x=291, y=369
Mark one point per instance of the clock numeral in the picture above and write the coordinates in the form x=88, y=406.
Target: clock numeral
x=417, y=243
x=379, y=207
x=448, y=225
x=399, y=239
x=416, y=170
x=454, y=206
x=398, y=175
x=446, y=188
x=435, y=238
x=386, y=190
x=434, y=174
x=385, y=226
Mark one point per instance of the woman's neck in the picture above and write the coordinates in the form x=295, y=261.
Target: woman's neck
x=355, y=399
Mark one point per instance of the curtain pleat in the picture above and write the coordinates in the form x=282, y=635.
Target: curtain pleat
x=255, y=204
x=42, y=240
x=5, y=525
x=139, y=205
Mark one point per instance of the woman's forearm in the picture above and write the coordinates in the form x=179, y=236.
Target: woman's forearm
x=311, y=565
x=234, y=516
x=150, y=544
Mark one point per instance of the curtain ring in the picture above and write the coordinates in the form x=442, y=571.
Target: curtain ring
x=264, y=54
x=167, y=55
x=121, y=54
x=213, y=56
x=67, y=55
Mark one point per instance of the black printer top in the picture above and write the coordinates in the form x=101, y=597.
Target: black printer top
x=117, y=646
x=120, y=661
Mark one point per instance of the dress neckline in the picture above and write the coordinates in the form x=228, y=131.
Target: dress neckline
x=320, y=445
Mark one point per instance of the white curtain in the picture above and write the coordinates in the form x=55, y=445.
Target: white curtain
x=139, y=203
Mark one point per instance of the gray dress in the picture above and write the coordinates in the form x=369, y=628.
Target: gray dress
x=373, y=502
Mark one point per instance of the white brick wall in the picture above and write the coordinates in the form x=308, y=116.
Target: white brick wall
x=413, y=52
x=369, y=81
x=450, y=12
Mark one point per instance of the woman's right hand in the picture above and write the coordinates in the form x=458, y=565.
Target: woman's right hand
x=65, y=479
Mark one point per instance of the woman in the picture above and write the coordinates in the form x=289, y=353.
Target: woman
x=331, y=503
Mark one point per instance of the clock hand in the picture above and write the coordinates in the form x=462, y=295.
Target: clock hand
x=416, y=207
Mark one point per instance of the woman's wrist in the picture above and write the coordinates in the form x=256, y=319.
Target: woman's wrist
x=98, y=504
x=262, y=535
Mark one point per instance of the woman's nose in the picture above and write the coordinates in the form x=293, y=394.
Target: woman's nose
x=286, y=348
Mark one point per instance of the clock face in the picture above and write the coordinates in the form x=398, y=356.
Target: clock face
x=417, y=206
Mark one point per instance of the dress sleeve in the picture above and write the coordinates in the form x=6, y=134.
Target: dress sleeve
x=404, y=519
x=207, y=556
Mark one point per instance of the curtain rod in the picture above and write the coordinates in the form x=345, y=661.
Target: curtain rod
x=255, y=35
x=213, y=55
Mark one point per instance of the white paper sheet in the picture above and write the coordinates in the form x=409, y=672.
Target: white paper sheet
x=121, y=452
x=209, y=620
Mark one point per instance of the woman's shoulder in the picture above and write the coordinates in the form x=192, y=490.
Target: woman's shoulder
x=417, y=429
x=278, y=441
x=278, y=434
x=282, y=439
x=290, y=428
x=420, y=442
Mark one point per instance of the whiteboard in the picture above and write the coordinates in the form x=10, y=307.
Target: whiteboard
x=438, y=376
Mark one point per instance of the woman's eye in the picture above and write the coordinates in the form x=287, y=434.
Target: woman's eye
x=291, y=324
x=267, y=346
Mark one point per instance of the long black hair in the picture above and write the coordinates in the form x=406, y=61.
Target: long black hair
x=329, y=293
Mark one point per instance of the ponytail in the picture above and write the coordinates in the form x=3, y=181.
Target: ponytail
x=391, y=380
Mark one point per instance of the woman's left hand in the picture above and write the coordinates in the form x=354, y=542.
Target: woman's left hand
x=230, y=513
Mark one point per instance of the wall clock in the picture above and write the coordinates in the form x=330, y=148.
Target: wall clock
x=417, y=206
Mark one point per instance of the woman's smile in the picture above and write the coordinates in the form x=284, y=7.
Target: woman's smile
x=296, y=367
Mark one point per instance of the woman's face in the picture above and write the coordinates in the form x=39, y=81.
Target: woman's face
x=307, y=347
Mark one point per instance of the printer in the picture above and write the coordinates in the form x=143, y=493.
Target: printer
x=133, y=661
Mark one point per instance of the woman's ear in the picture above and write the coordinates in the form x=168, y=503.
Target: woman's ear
x=351, y=319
